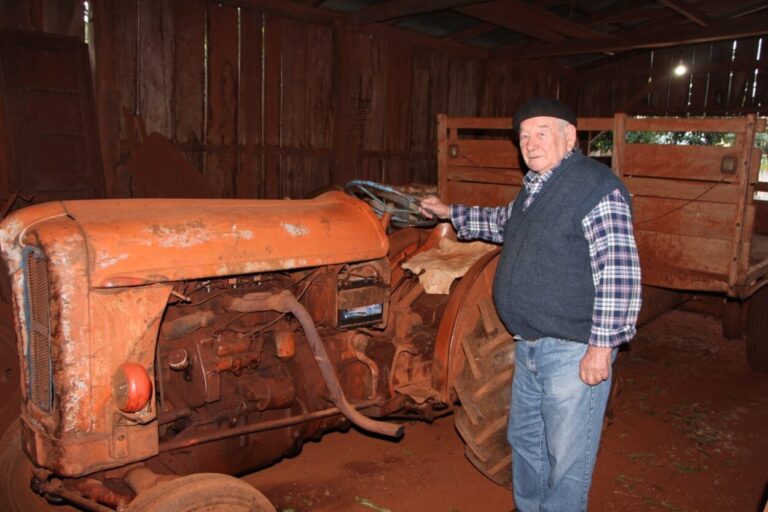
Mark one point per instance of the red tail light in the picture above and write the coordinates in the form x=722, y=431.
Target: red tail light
x=131, y=387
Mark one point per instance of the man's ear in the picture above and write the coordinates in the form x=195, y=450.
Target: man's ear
x=570, y=136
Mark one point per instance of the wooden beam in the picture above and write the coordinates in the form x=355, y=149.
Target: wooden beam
x=688, y=10
x=627, y=14
x=400, y=8
x=493, y=13
x=292, y=10
x=472, y=32
x=530, y=20
x=754, y=26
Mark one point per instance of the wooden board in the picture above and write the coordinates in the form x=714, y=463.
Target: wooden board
x=221, y=127
x=189, y=78
x=680, y=162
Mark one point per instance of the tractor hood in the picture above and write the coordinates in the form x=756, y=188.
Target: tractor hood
x=128, y=242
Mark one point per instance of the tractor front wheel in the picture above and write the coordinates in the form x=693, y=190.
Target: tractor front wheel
x=201, y=492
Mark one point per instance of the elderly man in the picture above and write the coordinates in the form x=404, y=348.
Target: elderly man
x=568, y=287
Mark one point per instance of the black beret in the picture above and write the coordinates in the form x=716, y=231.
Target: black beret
x=541, y=106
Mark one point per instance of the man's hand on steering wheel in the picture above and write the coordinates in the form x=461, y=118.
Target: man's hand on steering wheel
x=403, y=209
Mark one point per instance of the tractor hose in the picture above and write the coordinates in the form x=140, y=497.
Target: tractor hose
x=285, y=302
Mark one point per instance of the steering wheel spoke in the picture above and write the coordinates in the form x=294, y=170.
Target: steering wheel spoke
x=404, y=209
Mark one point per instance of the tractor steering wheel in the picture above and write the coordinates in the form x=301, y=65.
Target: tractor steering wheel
x=404, y=209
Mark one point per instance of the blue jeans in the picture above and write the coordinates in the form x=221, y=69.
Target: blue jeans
x=555, y=422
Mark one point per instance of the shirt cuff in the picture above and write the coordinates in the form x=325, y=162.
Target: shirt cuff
x=610, y=338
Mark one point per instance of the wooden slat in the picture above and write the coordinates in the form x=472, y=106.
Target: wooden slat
x=304, y=174
x=741, y=80
x=189, y=74
x=438, y=87
x=372, y=105
x=484, y=175
x=594, y=124
x=398, y=117
x=272, y=104
x=699, y=78
x=683, y=189
x=685, y=162
x=220, y=166
x=422, y=122
x=463, y=88
x=155, y=70
x=718, y=90
x=115, y=41
x=250, y=179
x=488, y=123
x=728, y=125
x=684, y=218
x=480, y=194
x=320, y=74
x=485, y=153
x=295, y=59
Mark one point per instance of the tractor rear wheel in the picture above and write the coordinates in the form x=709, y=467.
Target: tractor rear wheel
x=201, y=492
x=757, y=331
x=484, y=388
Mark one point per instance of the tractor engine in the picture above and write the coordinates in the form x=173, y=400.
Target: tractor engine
x=235, y=353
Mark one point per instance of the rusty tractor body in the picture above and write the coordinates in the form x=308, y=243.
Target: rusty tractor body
x=160, y=338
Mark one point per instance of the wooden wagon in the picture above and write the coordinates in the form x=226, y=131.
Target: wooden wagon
x=699, y=222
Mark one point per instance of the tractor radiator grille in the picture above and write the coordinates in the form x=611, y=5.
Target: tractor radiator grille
x=38, y=349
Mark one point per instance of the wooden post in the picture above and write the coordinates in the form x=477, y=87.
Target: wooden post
x=619, y=143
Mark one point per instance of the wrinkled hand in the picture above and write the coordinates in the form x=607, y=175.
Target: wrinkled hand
x=432, y=207
x=595, y=366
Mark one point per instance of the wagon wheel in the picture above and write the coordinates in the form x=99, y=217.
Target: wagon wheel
x=757, y=331
x=405, y=209
x=201, y=492
x=16, y=475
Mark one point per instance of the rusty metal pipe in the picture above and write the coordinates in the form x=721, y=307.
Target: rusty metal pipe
x=187, y=324
x=56, y=489
x=285, y=302
x=258, y=427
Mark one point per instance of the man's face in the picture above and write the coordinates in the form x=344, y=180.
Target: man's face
x=544, y=141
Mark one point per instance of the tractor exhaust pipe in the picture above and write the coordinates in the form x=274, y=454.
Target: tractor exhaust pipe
x=285, y=302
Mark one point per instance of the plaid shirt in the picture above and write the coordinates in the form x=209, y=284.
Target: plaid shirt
x=612, y=252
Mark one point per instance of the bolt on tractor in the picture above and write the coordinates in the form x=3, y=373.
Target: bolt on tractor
x=166, y=345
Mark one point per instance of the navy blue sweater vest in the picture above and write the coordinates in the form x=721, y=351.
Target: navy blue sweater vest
x=543, y=285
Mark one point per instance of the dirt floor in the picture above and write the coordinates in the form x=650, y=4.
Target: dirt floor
x=688, y=434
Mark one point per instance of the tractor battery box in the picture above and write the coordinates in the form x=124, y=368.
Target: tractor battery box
x=361, y=302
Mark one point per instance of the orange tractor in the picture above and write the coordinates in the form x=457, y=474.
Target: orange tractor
x=167, y=344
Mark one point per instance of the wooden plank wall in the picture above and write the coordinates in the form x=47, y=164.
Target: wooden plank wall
x=267, y=106
x=725, y=78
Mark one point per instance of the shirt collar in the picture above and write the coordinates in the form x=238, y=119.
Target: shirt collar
x=532, y=178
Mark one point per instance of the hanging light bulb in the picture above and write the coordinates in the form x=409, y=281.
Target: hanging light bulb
x=680, y=69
